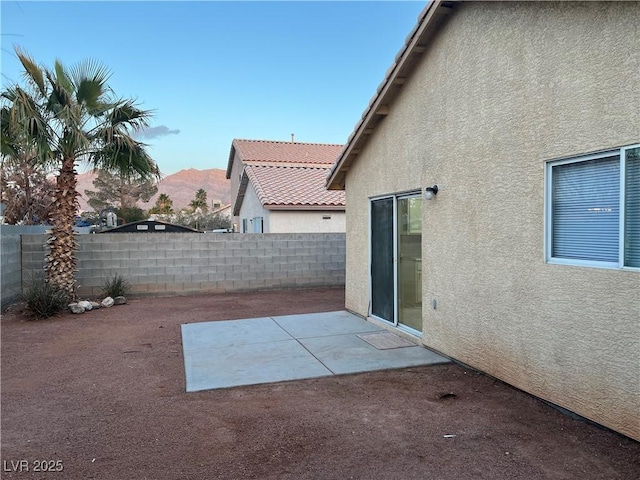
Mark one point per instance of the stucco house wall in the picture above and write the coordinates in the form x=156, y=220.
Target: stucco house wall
x=502, y=88
x=307, y=221
x=251, y=208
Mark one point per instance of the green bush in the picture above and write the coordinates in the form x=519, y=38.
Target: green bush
x=131, y=214
x=43, y=299
x=116, y=286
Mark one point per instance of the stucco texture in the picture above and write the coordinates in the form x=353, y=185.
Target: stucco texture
x=307, y=221
x=503, y=88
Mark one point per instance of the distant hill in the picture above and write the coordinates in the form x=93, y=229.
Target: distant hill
x=181, y=187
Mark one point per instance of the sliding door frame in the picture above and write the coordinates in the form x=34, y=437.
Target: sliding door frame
x=396, y=314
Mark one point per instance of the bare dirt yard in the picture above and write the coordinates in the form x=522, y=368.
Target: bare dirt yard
x=102, y=396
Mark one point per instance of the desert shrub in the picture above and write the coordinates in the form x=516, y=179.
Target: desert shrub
x=44, y=299
x=116, y=286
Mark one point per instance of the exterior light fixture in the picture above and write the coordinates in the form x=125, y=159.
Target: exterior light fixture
x=430, y=192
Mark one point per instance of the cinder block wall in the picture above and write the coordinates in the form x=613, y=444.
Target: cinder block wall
x=190, y=263
x=10, y=269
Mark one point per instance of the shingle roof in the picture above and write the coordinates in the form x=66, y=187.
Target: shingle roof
x=283, y=186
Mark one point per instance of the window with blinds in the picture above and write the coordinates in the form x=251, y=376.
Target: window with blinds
x=593, y=209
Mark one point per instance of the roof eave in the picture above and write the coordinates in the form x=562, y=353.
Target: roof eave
x=379, y=106
x=232, y=155
x=305, y=207
x=242, y=190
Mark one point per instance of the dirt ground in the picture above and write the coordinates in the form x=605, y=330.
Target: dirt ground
x=102, y=396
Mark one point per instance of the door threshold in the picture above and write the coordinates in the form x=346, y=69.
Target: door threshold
x=406, y=333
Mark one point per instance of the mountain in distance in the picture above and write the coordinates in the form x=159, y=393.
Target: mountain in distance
x=180, y=186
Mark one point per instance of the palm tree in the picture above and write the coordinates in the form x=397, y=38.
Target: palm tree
x=200, y=201
x=70, y=115
x=164, y=204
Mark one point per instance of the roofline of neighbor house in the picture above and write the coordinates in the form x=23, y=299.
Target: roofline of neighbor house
x=233, y=150
x=242, y=190
x=138, y=222
x=232, y=154
x=379, y=106
x=260, y=163
x=333, y=208
x=244, y=183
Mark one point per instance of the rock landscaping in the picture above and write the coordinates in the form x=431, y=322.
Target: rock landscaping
x=86, y=306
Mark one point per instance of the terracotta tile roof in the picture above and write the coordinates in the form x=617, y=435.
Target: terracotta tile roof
x=265, y=151
x=286, y=186
x=286, y=174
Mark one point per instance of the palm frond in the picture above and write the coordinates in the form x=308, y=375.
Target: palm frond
x=9, y=144
x=27, y=115
x=89, y=92
x=24, y=127
x=8, y=95
x=125, y=113
x=101, y=108
x=92, y=91
x=62, y=78
x=75, y=143
x=59, y=97
x=126, y=157
x=91, y=70
x=32, y=72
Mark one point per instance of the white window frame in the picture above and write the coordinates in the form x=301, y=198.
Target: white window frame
x=549, y=210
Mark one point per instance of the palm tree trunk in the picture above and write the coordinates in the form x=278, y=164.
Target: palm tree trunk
x=61, y=261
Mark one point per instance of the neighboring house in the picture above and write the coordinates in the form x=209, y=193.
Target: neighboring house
x=223, y=210
x=149, y=226
x=279, y=187
x=525, y=263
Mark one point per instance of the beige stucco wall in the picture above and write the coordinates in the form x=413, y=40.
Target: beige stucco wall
x=312, y=221
x=503, y=88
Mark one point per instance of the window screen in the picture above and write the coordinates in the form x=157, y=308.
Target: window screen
x=632, y=208
x=586, y=210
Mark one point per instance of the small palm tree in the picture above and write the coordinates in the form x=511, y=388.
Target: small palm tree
x=164, y=204
x=200, y=201
x=70, y=115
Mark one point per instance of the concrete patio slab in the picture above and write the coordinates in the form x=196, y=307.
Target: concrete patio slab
x=232, y=332
x=250, y=364
x=324, y=324
x=273, y=349
x=344, y=354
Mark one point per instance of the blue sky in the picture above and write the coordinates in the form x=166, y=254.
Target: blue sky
x=213, y=71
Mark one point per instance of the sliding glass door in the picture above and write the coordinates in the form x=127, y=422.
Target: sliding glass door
x=382, y=259
x=396, y=260
x=409, y=241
